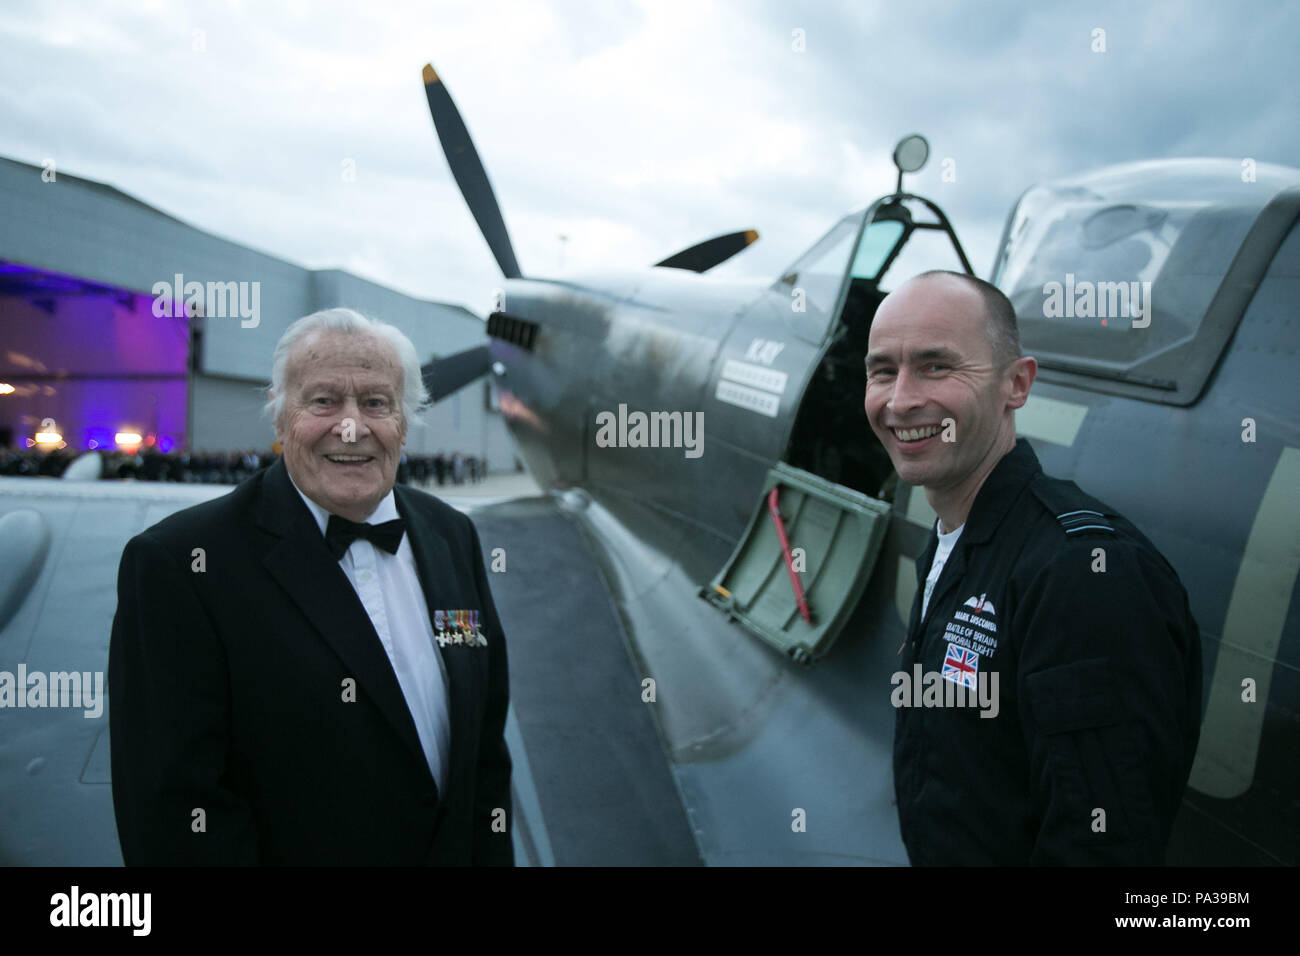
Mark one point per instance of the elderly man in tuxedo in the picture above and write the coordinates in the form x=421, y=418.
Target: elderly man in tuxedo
x=310, y=670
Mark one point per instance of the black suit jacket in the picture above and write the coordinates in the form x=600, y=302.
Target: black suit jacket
x=228, y=695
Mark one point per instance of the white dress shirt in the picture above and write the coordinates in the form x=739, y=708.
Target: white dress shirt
x=389, y=588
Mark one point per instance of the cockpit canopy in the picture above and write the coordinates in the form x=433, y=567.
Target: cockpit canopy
x=1115, y=273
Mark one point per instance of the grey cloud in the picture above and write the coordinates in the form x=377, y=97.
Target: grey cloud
x=246, y=138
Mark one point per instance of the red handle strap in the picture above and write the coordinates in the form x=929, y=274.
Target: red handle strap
x=773, y=499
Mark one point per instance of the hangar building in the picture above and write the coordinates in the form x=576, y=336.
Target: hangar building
x=96, y=338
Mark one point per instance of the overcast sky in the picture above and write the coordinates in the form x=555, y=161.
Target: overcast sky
x=635, y=129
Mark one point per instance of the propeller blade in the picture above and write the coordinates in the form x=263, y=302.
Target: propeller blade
x=467, y=170
x=446, y=375
x=712, y=252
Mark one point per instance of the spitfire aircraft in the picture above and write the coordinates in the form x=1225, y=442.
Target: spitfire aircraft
x=703, y=613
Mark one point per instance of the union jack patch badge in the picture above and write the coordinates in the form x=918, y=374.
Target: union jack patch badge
x=961, y=666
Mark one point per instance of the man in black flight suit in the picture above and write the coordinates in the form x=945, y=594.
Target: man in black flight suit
x=1068, y=632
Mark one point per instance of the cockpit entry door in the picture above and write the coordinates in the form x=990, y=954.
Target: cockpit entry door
x=832, y=538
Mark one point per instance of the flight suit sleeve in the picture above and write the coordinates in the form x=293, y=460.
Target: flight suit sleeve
x=492, y=845
x=1103, y=686
x=169, y=712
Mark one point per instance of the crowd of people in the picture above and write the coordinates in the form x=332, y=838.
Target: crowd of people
x=223, y=468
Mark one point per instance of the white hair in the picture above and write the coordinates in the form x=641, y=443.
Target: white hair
x=415, y=398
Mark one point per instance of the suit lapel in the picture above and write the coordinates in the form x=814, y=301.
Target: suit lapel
x=302, y=564
x=438, y=582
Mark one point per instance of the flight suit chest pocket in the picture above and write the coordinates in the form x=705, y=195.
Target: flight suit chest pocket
x=1074, y=697
x=1084, y=754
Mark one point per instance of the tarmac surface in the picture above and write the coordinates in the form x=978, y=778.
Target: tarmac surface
x=498, y=486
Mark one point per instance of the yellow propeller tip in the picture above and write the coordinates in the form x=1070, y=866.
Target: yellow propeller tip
x=751, y=235
x=429, y=75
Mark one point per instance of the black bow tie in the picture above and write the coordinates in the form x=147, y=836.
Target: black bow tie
x=340, y=533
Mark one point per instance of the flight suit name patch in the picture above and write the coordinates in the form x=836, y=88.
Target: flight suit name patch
x=971, y=630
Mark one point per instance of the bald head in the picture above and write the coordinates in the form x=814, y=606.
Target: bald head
x=999, y=314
